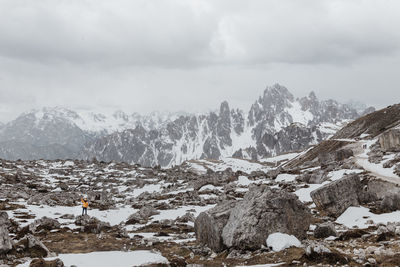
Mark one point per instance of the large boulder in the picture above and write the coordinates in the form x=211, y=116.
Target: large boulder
x=379, y=189
x=44, y=223
x=263, y=212
x=390, y=140
x=209, y=224
x=5, y=240
x=334, y=198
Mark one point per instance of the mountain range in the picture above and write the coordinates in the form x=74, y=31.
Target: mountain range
x=277, y=122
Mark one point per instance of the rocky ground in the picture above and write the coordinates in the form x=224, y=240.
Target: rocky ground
x=341, y=208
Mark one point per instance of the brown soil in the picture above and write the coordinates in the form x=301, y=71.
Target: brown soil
x=65, y=241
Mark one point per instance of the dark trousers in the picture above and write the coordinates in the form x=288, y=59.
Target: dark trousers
x=84, y=210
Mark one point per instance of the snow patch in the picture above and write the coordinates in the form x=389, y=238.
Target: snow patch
x=299, y=115
x=110, y=258
x=358, y=217
x=280, y=241
x=284, y=177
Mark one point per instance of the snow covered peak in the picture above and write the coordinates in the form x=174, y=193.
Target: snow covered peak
x=98, y=124
x=276, y=123
x=50, y=113
x=120, y=115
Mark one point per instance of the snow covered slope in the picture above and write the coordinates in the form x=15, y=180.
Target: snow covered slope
x=54, y=133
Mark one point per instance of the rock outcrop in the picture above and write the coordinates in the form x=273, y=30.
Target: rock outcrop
x=246, y=224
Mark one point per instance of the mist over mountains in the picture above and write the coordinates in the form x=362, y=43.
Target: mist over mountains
x=277, y=122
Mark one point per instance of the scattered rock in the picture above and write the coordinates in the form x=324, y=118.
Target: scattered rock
x=319, y=253
x=44, y=223
x=142, y=215
x=63, y=186
x=91, y=224
x=68, y=216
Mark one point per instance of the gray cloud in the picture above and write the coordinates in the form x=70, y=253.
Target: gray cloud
x=190, y=55
x=184, y=33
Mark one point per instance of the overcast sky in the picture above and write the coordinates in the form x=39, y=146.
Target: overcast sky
x=145, y=55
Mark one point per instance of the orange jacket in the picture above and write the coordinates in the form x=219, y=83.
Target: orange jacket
x=85, y=204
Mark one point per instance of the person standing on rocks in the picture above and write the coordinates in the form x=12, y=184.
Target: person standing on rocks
x=85, y=205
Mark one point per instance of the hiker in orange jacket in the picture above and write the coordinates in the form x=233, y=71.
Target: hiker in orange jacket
x=85, y=205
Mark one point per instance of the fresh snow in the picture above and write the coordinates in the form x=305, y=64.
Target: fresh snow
x=358, y=217
x=299, y=115
x=243, y=180
x=235, y=164
x=329, y=128
x=280, y=241
x=304, y=193
x=175, y=213
x=344, y=140
x=336, y=175
x=110, y=258
x=282, y=157
x=112, y=216
x=378, y=169
x=284, y=177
